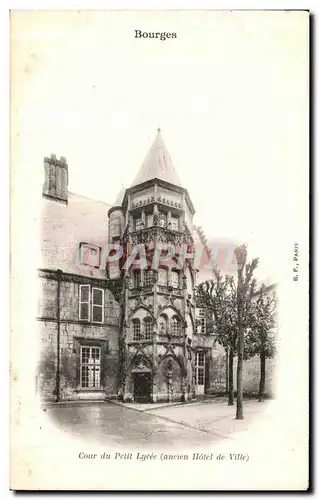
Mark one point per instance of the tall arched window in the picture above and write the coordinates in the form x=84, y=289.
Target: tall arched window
x=175, y=325
x=136, y=329
x=148, y=328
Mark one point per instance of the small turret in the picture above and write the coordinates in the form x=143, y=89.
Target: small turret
x=116, y=218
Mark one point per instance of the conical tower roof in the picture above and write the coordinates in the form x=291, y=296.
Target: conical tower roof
x=119, y=197
x=157, y=164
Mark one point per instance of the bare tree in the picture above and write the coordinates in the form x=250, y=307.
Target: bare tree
x=230, y=317
x=244, y=285
x=218, y=296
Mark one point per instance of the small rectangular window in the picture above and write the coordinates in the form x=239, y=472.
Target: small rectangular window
x=115, y=228
x=97, y=305
x=201, y=320
x=175, y=279
x=136, y=279
x=174, y=223
x=84, y=303
x=148, y=278
x=200, y=367
x=162, y=277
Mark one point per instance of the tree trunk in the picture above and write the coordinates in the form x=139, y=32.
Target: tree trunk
x=262, y=376
x=227, y=369
x=240, y=409
x=231, y=377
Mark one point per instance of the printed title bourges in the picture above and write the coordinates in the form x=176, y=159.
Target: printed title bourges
x=161, y=35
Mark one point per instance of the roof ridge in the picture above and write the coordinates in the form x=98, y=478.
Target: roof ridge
x=89, y=198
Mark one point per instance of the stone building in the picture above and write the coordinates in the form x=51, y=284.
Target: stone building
x=164, y=355
x=123, y=327
x=78, y=315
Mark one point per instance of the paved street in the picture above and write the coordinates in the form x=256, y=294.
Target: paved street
x=166, y=425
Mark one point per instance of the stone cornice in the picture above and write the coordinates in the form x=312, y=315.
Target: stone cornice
x=159, y=182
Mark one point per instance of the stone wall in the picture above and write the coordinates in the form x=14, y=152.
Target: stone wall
x=47, y=301
x=251, y=374
x=161, y=381
x=73, y=334
x=47, y=363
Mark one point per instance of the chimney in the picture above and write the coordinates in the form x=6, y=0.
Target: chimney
x=56, y=179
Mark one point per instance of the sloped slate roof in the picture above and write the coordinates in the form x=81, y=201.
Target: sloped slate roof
x=157, y=164
x=64, y=227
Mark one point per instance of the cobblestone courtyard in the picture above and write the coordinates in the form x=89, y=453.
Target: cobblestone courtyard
x=166, y=425
x=62, y=438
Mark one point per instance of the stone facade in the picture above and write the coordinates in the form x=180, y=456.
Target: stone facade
x=61, y=330
x=159, y=340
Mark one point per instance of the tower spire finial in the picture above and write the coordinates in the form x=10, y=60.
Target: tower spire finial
x=157, y=164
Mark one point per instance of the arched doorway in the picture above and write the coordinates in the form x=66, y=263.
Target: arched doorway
x=142, y=383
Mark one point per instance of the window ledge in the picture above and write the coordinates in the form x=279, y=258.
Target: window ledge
x=88, y=390
x=141, y=341
x=89, y=322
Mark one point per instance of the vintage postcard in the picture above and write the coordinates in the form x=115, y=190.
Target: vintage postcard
x=159, y=250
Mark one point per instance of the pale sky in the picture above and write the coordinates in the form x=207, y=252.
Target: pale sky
x=230, y=94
